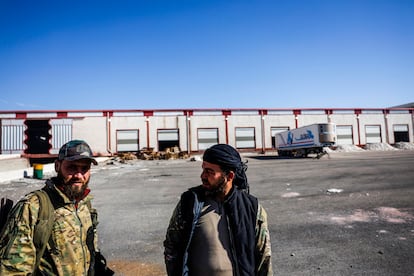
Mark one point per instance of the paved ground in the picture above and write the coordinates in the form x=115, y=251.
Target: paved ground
x=350, y=214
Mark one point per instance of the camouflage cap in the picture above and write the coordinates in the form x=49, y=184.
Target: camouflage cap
x=76, y=150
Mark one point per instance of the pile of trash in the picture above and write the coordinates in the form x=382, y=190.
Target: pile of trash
x=150, y=154
x=167, y=154
x=124, y=156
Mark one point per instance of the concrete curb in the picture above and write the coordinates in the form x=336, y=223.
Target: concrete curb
x=28, y=172
x=9, y=156
x=24, y=173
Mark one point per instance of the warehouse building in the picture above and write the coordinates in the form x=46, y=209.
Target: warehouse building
x=41, y=133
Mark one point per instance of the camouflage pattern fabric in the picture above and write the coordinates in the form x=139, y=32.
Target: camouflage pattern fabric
x=69, y=255
x=263, y=243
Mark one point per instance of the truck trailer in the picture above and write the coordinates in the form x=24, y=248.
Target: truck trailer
x=310, y=139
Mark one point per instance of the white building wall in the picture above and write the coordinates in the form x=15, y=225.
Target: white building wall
x=129, y=123
x=344, y=119
x=93, y=130
x=372, y=119
x=167, y=122
x=280, y=121
x=204, y=121
x=349, y=119
x=304, y=119
x=235, y=121
x=182, y=132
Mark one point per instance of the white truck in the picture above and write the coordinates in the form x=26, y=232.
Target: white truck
x=311, y=139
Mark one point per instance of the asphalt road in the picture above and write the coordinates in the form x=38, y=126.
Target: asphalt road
x=349, y=214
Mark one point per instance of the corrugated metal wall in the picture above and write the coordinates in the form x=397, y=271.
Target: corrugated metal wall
x=12, y=140
x=61, y=133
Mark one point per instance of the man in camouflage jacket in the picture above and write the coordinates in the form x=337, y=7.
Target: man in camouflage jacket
x=72, y=243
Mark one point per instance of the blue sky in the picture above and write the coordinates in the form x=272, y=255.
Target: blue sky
x=155, y=54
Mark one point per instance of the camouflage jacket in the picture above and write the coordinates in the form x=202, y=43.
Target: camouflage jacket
x=68, y=250
x=183, y=223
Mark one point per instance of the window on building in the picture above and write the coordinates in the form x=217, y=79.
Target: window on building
x=168, y=138
x=207, y=137
x=245, y=138
x=274, y=131
x=127, y=140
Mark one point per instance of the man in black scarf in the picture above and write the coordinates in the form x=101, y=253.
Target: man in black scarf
x=229, y=160
x=218, y=228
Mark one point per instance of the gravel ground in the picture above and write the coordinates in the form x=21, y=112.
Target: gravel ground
x=349, y=213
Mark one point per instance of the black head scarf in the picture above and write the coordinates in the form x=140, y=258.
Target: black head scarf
x=228, y=158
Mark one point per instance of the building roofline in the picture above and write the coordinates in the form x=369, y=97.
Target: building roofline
x=104, y=111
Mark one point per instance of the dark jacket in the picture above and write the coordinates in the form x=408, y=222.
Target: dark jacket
x=242, y=210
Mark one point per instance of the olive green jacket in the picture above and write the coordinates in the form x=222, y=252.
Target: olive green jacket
x=67, y=252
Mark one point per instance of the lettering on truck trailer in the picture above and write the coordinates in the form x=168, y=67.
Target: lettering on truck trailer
x=305, y=139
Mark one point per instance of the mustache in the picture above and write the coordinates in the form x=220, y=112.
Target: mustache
x=60, y=180
x=75, y=181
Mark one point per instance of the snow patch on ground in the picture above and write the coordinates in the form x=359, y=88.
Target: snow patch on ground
x=290, y=195
x=404, y=146
x=385, y=214
x=334, y=191
x=373, y=147
x=348, y=148
x=379, y=147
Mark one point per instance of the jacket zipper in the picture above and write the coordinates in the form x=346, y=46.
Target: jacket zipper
x=81, y=239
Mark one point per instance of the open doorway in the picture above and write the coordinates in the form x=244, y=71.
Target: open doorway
x=37, y=137
x=167, y=138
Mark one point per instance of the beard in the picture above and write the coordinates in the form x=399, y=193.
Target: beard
x=73, y=192
x=217, y=189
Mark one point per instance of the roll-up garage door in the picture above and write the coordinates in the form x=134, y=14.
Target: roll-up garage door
x=344, y=135
x=127, y=140
x=207, y=137
x=245, y=138
x=373, y=134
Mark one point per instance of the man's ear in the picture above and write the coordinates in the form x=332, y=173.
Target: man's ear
x=57, y=165
x=231, y=175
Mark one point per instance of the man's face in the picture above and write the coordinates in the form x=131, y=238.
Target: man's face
x=213, y=178
x=74, y=176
